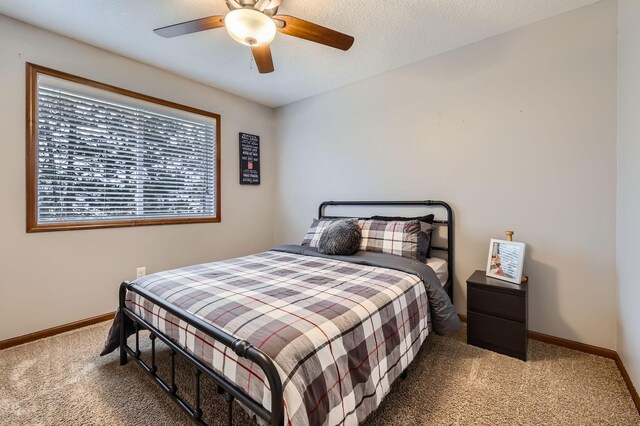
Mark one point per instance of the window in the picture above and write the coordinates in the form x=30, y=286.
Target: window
x=99, y=156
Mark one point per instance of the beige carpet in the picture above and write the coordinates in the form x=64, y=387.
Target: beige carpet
x=62, y=381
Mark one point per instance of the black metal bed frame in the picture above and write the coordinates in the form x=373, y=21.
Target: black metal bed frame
x=242, y=348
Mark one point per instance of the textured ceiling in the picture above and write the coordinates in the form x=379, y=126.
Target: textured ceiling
x=388, y=34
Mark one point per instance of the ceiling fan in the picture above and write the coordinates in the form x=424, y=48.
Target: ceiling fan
x=255, y=23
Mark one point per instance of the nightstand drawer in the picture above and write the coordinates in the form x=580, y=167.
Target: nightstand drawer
x=497, y=303
x=497, y=334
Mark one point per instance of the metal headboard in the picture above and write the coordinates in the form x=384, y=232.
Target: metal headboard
x=428, y=203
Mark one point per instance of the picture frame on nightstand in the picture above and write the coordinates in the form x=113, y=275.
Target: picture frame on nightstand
x=506, y=260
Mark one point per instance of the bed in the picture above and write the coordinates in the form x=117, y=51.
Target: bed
x=295, y=336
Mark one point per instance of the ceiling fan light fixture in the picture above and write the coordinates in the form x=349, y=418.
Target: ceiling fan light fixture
x=250, y=27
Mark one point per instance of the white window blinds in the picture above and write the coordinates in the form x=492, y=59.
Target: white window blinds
x=103, y=156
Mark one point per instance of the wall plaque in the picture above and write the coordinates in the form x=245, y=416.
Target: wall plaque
x=249, y=159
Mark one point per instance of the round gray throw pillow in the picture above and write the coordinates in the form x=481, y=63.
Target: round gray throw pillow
x=341, y=237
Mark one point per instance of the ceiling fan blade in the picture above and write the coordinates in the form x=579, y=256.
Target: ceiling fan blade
x=263, y=58
x=189, y=27
x=309, y=31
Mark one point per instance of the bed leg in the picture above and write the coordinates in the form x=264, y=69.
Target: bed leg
x=197, y=412
x=404, y=374
x=229, y=398
x=123, y=335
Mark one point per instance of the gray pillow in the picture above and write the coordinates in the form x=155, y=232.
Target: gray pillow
x=341, y=237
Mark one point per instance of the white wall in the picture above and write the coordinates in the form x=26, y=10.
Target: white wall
x=629, y=186
x=48, y=279
x=516, y=132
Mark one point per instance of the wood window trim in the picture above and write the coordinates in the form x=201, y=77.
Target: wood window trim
x=32, y=151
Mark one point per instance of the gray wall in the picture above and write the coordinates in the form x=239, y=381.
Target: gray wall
x=49, y=279
x=516, y=132
x=629, y=186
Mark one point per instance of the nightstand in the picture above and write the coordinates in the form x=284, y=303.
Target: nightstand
x=497, y=315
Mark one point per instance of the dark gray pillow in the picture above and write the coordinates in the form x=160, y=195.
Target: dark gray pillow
x=341, y=237
x=424, y=241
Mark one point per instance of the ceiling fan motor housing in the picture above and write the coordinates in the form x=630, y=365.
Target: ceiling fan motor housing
x=268, y=7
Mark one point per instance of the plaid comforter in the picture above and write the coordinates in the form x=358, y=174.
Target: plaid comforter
x=339, y=333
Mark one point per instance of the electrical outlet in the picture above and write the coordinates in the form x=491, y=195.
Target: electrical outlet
x=141, y=272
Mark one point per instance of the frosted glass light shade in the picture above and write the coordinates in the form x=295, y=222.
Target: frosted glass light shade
x=250, y=27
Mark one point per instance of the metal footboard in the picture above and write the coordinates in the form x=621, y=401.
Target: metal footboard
x=227, y=389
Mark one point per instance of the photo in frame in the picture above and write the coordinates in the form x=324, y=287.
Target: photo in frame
x=506, y=259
